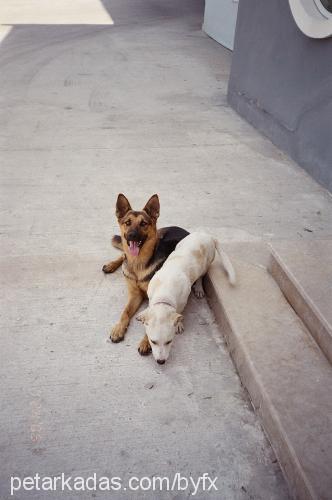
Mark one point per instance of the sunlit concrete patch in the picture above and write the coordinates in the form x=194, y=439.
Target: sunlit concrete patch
x=59, y=12
x=4, y=31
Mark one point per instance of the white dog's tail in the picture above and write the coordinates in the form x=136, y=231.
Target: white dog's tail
x=226, y=263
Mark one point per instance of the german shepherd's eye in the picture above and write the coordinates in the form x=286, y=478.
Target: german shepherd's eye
x=128, y=222
x=143, y=223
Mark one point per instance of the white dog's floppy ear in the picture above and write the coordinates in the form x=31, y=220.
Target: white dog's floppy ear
x=177, y=319
x=143, y=317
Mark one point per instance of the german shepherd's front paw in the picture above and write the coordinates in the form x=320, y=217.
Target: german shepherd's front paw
x=144, y=347
x=117, y=333
x=110, y=267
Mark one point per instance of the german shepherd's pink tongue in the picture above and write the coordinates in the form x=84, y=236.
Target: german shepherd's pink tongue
x=133, y=248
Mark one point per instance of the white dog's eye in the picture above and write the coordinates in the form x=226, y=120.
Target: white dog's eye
x=168, y=342
x=153, y=342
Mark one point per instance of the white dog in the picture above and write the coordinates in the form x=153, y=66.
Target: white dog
x=170, y=287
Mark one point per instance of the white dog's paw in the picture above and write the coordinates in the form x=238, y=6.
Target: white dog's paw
x=199, y=294
x=198, y=289
x=179, y=328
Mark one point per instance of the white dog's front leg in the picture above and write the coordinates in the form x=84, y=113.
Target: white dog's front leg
x=198, y=289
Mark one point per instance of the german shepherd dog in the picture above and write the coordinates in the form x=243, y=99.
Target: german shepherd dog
x=145, y=249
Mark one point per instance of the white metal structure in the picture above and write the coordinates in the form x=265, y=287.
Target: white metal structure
x=220, y=20
x=313, y=17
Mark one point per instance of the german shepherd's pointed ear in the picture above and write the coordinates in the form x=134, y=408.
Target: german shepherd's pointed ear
x=152, y=207
x=122, y=206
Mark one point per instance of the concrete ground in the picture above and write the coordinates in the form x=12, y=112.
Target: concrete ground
x=139, y=107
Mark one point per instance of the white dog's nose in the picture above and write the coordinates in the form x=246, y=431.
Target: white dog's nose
x=161, y=361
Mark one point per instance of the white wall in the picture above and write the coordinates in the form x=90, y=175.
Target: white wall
x=220, y=20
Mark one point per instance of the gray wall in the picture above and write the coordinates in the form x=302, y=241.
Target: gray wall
x=281, y=82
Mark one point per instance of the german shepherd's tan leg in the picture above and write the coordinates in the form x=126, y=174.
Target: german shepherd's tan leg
x=136, y=298
x=112, y=266
x=144, y=347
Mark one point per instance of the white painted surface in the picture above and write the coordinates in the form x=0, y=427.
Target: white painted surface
x=313, y=20
x=220, y=20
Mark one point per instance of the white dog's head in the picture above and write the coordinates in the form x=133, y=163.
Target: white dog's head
x=161, y=324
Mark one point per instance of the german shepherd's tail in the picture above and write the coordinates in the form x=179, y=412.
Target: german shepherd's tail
x=117, y=242
x=226, y=263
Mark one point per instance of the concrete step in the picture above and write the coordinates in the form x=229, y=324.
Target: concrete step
x=288, y=378
x=303, y=271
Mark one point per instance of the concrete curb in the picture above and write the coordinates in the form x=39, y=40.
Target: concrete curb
x=302, y=303
x=262, y=371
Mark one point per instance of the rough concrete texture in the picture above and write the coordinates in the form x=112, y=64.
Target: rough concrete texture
x=287, y=376
x=304, y=273
x=138, y=107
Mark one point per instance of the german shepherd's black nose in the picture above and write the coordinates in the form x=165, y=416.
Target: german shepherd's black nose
x=133, y=235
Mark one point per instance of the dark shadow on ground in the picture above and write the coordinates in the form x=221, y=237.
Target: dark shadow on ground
x=142, y=11
x=25, y=38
